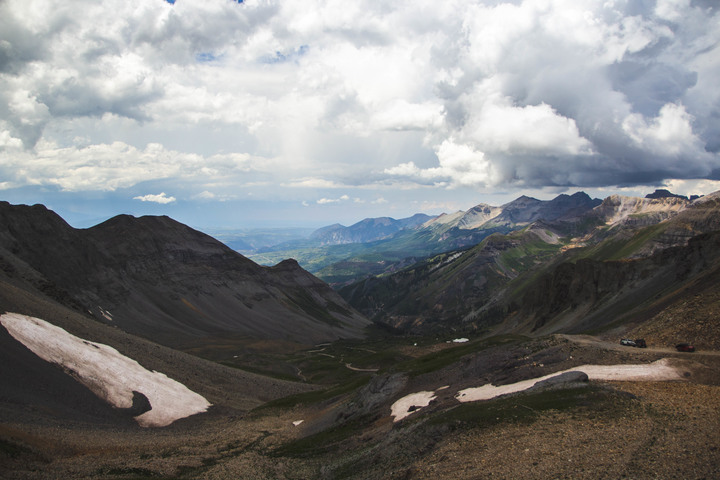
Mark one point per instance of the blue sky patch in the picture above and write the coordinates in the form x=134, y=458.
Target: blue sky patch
x=205, y=57
x=282, y=57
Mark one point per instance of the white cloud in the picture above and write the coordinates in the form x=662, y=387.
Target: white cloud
x=693, y=187
x=161, y=198
x=7, y=141
x=205, y=195
x=107, y=167
x=670, y=133
x=459, y=164
x=325, y=201
x=313, y=183
x=500, y=127
x=402, y=115
x=671, y=9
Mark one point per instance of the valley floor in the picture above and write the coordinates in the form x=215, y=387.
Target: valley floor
x=607, y=430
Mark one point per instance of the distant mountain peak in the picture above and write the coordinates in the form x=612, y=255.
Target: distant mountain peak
x=662, y=193
x=522, y=199
x=367, y=230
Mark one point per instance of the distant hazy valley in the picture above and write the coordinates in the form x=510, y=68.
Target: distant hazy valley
x=441, y=340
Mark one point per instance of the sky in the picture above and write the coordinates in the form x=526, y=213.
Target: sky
x=262, y=113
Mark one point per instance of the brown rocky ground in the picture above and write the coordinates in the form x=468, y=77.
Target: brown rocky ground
x=670, y=430
x=608, y=430
x=616, y=430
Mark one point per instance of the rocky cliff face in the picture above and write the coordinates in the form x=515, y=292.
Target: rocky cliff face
x=591, y=294
x=155, y=277
x=618, y=209
x=653, y=224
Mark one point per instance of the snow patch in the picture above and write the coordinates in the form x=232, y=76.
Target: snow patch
x=106, y=372
x=108, y=316
x=410, y=404
x=461, y=340
x=447, y=261
x=298, y=422
x=660, y=370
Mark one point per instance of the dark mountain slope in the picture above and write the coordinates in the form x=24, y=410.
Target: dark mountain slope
x=163, y=280
x=38, y=392
x=592, y=295
x=438, y=293
x=525, y=210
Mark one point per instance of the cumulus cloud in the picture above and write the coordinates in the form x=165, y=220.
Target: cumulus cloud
x=209, y=196
x=325, y=201
x=572, y=94
x=107, y=167
x=326, y=94
x=670, y=132
x=160, y=198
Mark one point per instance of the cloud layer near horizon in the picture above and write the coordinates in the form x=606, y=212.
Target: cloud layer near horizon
x=216, y=97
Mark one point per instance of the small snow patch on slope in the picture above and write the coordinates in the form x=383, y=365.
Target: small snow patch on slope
x=106, y=372
x=409, y=404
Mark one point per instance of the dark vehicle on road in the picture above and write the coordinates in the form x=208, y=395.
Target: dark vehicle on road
x=684, y=347
x=640, y=343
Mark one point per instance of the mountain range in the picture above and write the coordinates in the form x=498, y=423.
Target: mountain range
x=570, y=273
x=340, y=256
x=487, y=345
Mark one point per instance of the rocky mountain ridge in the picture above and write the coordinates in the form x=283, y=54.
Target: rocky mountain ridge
x=517, y=213
x=625, y=250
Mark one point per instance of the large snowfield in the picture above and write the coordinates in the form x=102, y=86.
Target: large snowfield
x=106, y=372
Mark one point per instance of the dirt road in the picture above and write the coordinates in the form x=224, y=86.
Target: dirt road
x=607, y=345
